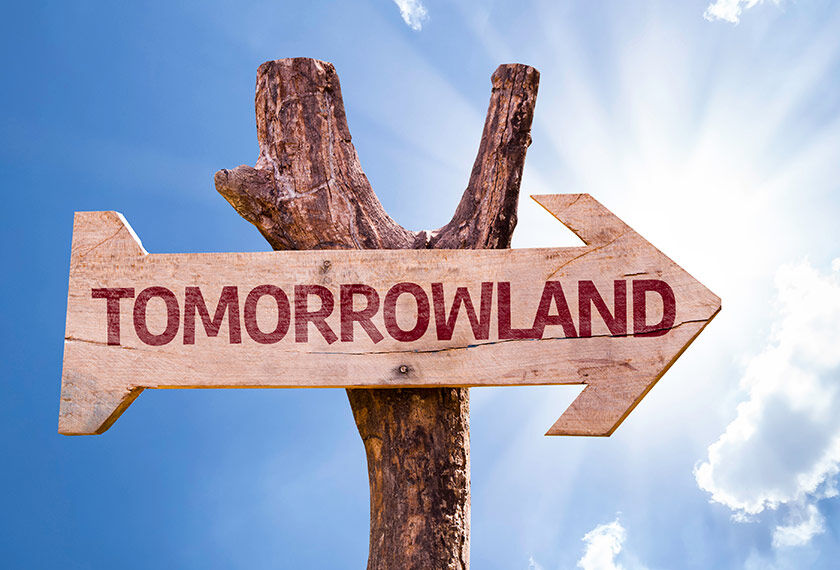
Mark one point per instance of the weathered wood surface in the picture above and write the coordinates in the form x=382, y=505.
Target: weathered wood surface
x=405, y=340
x=309, y=192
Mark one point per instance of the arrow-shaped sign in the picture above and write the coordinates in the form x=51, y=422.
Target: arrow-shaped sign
x=613, y=315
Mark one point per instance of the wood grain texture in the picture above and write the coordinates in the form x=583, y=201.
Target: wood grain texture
x=618, y=367
x=308, y=191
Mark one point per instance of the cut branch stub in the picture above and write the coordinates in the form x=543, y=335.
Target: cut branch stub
x=486, y=216
x=308, y=191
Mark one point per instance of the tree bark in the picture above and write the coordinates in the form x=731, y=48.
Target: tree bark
x=308, y=191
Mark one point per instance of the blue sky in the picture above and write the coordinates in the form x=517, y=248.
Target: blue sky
x=712, y=129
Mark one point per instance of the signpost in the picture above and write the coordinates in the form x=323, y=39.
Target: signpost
x=405, y=320
x=613, y=315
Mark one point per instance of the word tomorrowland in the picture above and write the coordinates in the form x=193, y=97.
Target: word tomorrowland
x=612, y=314
x=406, y=312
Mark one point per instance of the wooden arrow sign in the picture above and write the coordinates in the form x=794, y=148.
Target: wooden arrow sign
x=613, y=315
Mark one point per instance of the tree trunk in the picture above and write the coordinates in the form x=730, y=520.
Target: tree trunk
x=308, y=191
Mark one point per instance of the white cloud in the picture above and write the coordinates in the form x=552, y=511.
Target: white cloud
x=730, y=10
x=603, y=544
x=805, y=525
x=413, y=13
x=783, y=447
x=533, y=564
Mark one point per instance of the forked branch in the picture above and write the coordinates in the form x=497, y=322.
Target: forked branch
x=308, y=191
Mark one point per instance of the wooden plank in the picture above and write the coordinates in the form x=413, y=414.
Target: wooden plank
x=171, y=335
